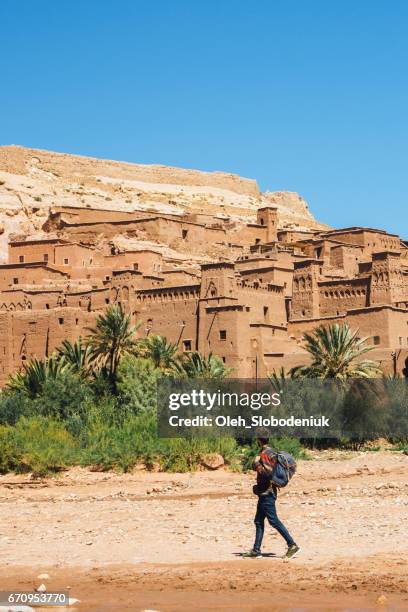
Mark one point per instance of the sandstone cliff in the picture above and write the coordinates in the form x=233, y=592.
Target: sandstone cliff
x=33, y=181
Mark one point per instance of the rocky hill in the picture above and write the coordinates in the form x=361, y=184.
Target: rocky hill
x=33, y=181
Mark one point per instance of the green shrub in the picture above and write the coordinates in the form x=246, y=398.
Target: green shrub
x=14, y=405
x=36, y=444
x=42, y=445
x=110, y=446
x=403, y=447
x=8, y=450
x=137, y=380
x=120, y=447
x=184, y=455
x=63, y=398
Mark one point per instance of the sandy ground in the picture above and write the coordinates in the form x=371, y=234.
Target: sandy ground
x=173, y=541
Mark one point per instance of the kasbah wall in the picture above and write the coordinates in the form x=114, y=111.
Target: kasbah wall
x=250, y=306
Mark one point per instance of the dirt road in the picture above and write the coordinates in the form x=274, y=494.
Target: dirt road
x=173, y=541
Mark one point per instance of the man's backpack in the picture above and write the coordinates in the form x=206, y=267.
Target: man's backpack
x=279, y=465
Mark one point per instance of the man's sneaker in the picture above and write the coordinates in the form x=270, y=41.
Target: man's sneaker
x=292, y=551
x=252, y=554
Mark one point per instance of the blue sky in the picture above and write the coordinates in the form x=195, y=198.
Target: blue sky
x=303, y=96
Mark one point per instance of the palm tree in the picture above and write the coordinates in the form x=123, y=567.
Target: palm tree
x=112, y=337
x=35, y=375
x=78, y=356
x=159, y=351
x=197, y=366
x=278, y=379
x=336, y=352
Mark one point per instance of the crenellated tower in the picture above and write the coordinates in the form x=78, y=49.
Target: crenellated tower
x=305, y=300
x=268, y=217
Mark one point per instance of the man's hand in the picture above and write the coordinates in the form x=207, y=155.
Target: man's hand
x=256, y=464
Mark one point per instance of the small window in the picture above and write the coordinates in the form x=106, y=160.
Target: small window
x=21, y=259
x=66, y=261
x=187, y=345
x=262, y=221
x=265, y=311
x=46, y=257
x=376, y=340
x=224, y=360
x=107, y=300
x=107, y=278
x=61, y=321
x=15, y=281
x=184, y=234
x=223, y=334
x=135, y=266
x=47, y=306
x=257, y=240
x=247, y=308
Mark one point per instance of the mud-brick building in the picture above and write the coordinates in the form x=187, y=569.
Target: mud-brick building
x=374, y=301
x=54, y=251
x=244, y=322
x=250, y=303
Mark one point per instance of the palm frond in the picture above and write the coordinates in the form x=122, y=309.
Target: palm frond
x=336, y=352
x=161, y=352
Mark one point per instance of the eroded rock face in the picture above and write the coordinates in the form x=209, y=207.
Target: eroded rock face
x=33, y=181
x=293, y=210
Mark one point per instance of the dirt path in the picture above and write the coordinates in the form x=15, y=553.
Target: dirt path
x=171, y=541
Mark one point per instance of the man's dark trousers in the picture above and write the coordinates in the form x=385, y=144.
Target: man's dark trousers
x=266, y=508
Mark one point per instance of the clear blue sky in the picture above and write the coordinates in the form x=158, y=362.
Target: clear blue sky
x=303, y=95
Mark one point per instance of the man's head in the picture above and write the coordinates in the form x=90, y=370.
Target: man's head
x=262, y=436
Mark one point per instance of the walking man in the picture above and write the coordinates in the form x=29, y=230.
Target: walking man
x=267, y=493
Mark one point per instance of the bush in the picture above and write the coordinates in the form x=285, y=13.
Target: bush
x=14, y=405
x=120, y=447
x=63, y=398
x=111, y=447
x=137, y=379
x=8, y=450
x=42, y=444
x=36, y=444
x=184, y=455
x=403, y=447
x=60, y=398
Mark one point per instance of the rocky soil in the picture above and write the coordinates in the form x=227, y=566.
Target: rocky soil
x=170, y=541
